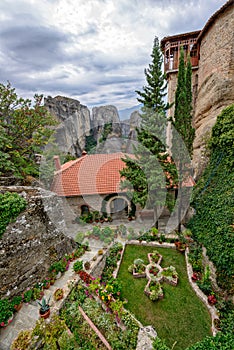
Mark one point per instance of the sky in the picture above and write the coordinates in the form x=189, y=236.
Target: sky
x=94, y=51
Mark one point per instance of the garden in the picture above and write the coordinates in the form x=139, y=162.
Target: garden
x=179, y=316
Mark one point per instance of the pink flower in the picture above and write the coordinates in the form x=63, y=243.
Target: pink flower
x=2, y=324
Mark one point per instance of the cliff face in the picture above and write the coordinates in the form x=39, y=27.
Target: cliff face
x=75, y=123
x=33, y=242
x=215, y=78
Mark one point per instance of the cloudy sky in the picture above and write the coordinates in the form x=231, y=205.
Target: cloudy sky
x=91, y=50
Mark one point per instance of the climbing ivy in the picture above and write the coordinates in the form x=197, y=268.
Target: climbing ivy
x=11, y=204
x=213, y=200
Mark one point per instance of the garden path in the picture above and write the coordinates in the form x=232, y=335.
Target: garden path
x=28, y=315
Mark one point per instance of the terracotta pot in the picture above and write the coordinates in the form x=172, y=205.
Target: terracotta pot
x=47, y=286
x=46, y=315
x=59, y=297
x=18, y=307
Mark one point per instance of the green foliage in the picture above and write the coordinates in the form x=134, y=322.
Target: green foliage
x=44, y=305
x=153, y=93
x=24, y=130
x=6, y=311
x=107, y=129
x=78, y=266
x=90, y=142
x=220, y=342
x=11, y=205
x=49, y=332
x=159, y=344
x=182, y=120
x=22, y=341
x=213, y=200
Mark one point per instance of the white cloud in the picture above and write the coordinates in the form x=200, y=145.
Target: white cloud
x=92, y=50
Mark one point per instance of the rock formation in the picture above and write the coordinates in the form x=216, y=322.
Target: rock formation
x=33, y=242
x=75, y=123
x=104, y=115
x=215, y=89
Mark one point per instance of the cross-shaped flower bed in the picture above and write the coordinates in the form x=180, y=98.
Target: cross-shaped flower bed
x=155, y=274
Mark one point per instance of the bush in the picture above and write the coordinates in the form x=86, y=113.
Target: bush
x=11, y=205
x=213, y=200
x=78, y=266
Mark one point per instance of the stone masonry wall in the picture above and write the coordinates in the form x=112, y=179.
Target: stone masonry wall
x=32, y=242
x=215, y=79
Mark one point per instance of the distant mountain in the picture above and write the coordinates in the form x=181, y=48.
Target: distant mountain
x=125, y=113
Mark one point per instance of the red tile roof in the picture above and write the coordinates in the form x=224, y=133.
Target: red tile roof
x=95, y=174
x=90, y=174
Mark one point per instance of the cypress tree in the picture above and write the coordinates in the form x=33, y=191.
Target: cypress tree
x=182, y=130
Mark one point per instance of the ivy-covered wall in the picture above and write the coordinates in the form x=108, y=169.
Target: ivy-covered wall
x=213, y=200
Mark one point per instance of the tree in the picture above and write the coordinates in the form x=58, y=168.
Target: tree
x=24, y=130
x=150, y=171
x=154, y=92
x=182, y=121
x=182, y=131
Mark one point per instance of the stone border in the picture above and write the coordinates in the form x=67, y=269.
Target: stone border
x=212, y=309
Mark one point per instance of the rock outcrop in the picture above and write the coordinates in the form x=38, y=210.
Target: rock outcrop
x=215, y=89
x=104, y=115
x=33, y=242
x=74, y=123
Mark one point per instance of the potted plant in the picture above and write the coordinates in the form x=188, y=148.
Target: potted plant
x=44, y=310
x=46, y=283
x=6, y=312
x=87, y=265
x=37, y=293
x=58, y=267
x=78, y=266
x=58, y=294
x=17, y=302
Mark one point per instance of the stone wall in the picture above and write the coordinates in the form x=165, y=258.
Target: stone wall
x=33, y=241
x=215, y=79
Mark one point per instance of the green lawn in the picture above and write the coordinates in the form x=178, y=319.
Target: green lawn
x=180, y=316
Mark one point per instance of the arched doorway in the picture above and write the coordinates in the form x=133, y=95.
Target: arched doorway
x=118, y=207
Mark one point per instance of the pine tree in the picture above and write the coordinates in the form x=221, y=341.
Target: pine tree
x=147, y=172
x=153, y=94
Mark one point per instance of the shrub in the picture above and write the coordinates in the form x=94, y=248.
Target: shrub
x=78, y=266
x=11, y=205
x=22, y=341
x=6, y=311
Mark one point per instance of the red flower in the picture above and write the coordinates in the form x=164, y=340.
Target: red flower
x=212, y=300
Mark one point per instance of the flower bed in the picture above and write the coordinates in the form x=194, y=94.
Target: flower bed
x=155, y=275
x=153, y=290
x=155, y=257
x=169, y=275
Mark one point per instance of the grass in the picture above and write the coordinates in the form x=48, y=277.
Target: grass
x=180, y=316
